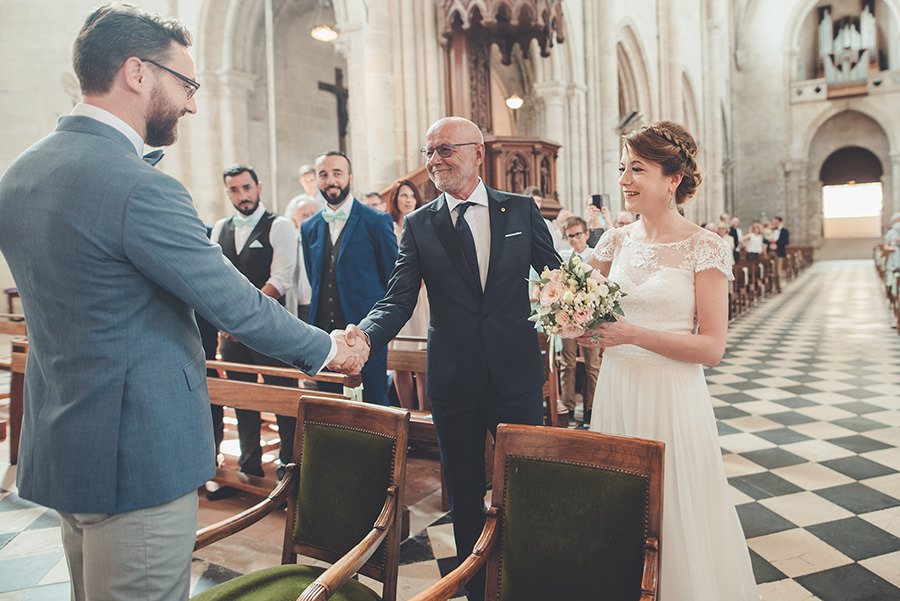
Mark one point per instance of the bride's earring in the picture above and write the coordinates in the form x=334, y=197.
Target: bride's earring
x=671, y=204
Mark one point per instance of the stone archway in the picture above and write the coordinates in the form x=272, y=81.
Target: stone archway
x=232, y=51
x=832, y=140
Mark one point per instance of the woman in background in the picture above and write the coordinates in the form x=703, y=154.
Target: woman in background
x=403, y=201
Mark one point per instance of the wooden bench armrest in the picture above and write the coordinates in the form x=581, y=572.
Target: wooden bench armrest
x=448, y=586
x=343, y=569
x=650, y=579
x=236, y=523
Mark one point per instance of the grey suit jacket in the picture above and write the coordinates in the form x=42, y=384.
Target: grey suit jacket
x=110, y=257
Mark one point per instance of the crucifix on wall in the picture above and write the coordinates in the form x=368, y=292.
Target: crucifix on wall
x=338, y=89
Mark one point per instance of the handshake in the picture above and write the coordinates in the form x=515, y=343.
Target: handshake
x=352, y=350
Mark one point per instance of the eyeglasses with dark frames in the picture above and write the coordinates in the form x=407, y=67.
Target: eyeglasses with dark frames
x=445, y=151
x=192, y=86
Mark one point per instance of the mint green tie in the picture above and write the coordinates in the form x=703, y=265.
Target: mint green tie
x=239, y=221
x=330, y=216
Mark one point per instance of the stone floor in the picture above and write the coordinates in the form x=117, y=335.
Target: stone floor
x=808, y=405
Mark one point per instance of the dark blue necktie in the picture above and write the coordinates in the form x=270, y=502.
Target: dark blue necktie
x=466, y=238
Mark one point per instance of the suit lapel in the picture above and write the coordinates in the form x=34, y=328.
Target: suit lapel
x=448, y=238
x=498, y=212
x=349, y=226
x=317, y=249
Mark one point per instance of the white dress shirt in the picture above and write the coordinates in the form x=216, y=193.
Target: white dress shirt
x=104, y=116
x=479, y=220
x=282, y=237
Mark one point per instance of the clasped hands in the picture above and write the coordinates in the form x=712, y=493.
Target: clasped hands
x=352, y=350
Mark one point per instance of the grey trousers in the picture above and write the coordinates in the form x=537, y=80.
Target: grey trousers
x=141, y=555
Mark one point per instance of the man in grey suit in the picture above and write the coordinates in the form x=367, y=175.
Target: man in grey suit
x=472, y=246
x=110, y=258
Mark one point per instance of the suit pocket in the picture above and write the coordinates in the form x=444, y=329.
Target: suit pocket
x=195, y=372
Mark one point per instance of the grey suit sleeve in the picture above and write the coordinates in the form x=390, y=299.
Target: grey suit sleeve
x=166, y=241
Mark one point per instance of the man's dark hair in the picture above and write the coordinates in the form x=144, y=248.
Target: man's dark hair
x=338, y=153
x=116, y=32
x=237, y=170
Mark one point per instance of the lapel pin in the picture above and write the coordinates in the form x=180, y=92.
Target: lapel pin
x=502, y=209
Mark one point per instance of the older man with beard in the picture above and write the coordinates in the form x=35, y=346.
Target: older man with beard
x=349, y=250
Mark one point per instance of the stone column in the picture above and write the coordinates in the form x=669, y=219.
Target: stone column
x=365, y=43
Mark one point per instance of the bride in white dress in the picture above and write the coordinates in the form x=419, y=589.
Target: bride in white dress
x=651, y=382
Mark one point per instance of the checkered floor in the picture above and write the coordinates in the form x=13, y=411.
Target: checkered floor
x=808, y=403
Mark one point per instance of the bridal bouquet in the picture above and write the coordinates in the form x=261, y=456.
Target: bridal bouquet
x=570, y=300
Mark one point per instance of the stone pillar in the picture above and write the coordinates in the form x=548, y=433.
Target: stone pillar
x=601, y=161
x=370, y=79
x=801, y=205
x=552, y=95
x=890, y=188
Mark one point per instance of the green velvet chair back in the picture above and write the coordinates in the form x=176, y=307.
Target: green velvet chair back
x=577, y=508
x=349, y=453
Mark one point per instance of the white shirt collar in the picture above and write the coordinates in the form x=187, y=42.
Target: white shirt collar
x=478, y=196
x=255, y=215
x=104, y=116
x=346, y=207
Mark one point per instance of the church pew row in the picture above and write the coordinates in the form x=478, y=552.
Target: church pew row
x=756, y=280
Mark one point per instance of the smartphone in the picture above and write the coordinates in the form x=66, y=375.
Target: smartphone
x=597, y=200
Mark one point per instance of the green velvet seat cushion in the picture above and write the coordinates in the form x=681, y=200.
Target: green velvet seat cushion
x=344, y=477
x=571, y=531
x=281, y=583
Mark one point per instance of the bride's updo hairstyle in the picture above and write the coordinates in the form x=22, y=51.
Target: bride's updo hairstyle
x=673, y=148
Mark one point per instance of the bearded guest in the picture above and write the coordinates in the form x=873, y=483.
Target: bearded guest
x=350, y=250
x=263, y=247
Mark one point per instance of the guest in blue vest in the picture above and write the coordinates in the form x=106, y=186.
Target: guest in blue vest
x=350, y=250
x=263, y=247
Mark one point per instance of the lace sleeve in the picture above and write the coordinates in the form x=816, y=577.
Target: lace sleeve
x=606, y=246
x=711, y=252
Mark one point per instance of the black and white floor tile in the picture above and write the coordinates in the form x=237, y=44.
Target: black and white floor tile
x=808, y=405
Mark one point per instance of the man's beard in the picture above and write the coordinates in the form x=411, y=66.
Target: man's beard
x=248, y=212
x=162, y=123
x=340, y=197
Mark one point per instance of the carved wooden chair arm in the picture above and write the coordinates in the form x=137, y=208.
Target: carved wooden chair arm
x=236, y=523
x=448, y=586
x=650, y=579
x=343, y=569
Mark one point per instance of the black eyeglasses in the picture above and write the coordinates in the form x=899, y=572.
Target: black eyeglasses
x=445, y=151
x=192, y=86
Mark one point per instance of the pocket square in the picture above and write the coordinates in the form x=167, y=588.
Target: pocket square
x=255, y=244
x=511, y=234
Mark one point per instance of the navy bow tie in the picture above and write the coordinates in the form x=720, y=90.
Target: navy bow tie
x=153, y=157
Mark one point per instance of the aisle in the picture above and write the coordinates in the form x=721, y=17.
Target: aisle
x=808, y=402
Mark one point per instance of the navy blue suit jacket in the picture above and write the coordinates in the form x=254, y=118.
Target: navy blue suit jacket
x=473, y=335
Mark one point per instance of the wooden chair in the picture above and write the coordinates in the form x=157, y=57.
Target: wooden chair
x=344, y=491
x=574, y=515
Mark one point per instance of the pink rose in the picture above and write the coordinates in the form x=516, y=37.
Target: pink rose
x=598, y=277
x=583, y=316
x=554, y=276
x=551, y=293
x=571, y=330
x=562, y=318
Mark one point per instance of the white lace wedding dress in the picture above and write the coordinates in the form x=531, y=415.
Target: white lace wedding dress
x=643, y=394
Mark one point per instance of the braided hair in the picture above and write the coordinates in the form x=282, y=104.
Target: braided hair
x=674, y=149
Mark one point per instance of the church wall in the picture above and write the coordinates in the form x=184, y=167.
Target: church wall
x=760, y=105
